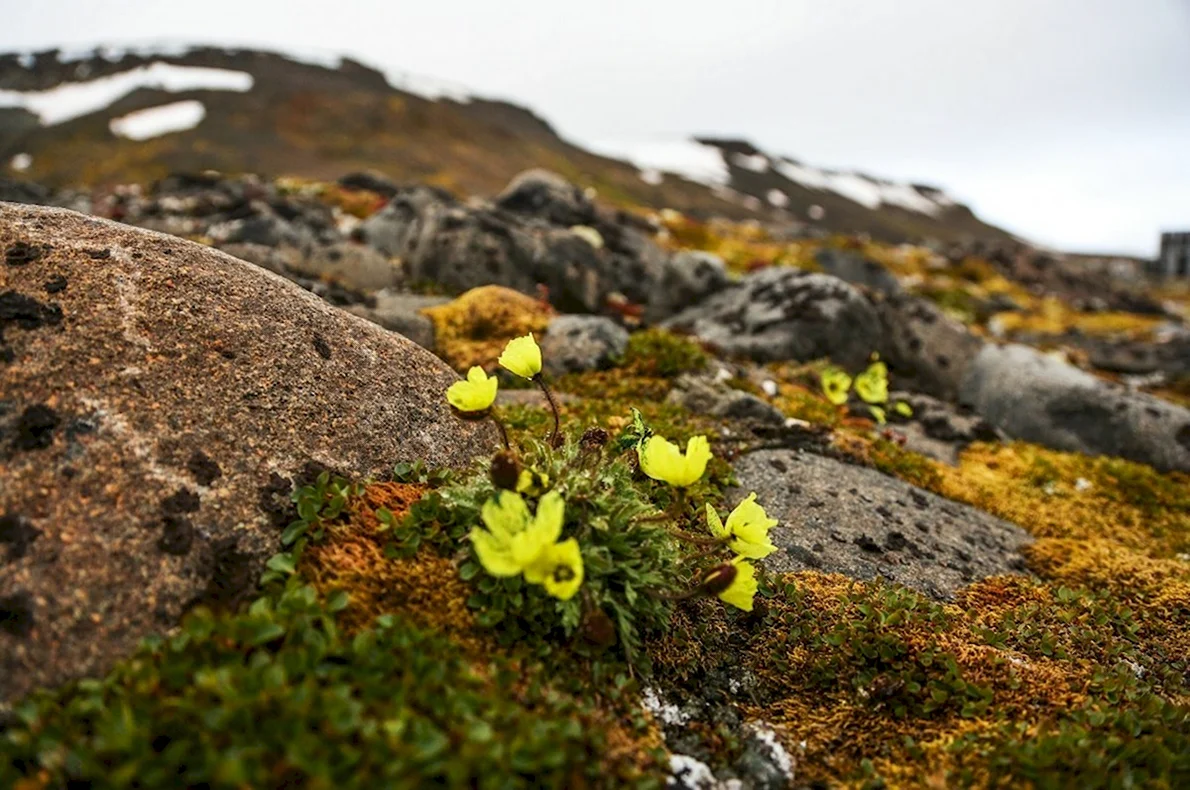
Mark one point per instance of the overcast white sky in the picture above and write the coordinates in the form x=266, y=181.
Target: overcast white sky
x=1067, y=121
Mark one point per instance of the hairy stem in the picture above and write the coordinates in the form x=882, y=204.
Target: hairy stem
x=556, y=436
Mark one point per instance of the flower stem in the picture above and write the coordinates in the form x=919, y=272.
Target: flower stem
x=697, y=540
x=503, y=430
x=556, y=436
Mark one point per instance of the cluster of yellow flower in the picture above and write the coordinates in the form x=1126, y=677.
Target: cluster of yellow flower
x=477, y=392
x=746, y=531
x=516, y=542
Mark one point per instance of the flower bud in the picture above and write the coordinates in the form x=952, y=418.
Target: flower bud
x=593, y=440
x=505, y=470
x=718, y=579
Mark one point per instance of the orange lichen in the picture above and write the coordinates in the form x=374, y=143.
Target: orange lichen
x=472, y=329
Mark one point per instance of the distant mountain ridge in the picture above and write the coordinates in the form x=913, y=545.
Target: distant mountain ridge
x=135, y=115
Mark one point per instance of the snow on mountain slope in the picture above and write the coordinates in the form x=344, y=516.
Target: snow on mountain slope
x=75, y=99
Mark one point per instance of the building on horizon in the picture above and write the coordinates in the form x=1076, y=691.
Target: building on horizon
x=1174, y=258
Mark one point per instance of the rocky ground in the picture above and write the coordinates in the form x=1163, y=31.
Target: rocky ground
x=233, y=557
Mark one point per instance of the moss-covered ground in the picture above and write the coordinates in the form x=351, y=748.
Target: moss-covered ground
x=372, y=659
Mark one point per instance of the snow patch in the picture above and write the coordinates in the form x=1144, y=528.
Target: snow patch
x=75, y=99
x=757, y=163
x=687, y=773
x=26, y=60
x=777, y=198
x=21, y=162
x=156, y=121
x=866, y=191
x=428, y=88
x=816, y=212
x=651, y=176
x=687, y=158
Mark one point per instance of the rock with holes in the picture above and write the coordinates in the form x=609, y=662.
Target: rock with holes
x=857, y=270
x=158, y=400
x=535, y=236
x=926, y=350
x=574, y=343
x=1039, y=398
x=786, y=314
x=686, y=279
x=839, y=518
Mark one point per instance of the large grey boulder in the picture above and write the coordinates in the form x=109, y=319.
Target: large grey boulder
x=686, y=279
x=574, y=343
x=545, y=194
x=1035, y=397
x=839, y=518
x=780, y=313
x=856, y=269
x=157, y=401
x=524, y=241
x=926, y=350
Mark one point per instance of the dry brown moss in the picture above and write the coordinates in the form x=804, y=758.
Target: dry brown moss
x=862, y=680
x=474, y=328
x=426, y=588
x=1039, y=489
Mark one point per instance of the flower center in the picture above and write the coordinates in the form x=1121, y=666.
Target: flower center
x=563, y=573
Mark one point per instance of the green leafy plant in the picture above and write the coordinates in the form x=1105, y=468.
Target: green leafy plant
x=278, y=696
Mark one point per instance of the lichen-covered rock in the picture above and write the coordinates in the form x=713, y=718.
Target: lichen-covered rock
x=927, y=350
x=524, y=241
x=1032, y=396
x=857, y=270
x=574, y=343
x=847, y=519
x=786, y=314
x=939, y=429
x=545, y=194
x=686, y=279
x=356, y=267
x=701, y=394
x=158, y=400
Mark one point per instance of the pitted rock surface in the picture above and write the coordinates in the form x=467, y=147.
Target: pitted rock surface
x=839, y=518
x=152, y=418
x=781, y=313
x=1036, y=397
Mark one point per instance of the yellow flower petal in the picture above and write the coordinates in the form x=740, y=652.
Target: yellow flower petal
x=505, y=514
x=743, y=587
x=872, y=384
x=476, y=393
x=559, y=569
x=522, y=356
x=542, y=533
x=835, y=385
x=661, y=460
x=493, y=554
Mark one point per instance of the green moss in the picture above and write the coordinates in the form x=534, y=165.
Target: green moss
x=277, y=696
x=656, y=352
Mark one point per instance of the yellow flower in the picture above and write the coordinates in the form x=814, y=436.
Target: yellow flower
x=743, y=587
x=835, y=385
x=532, y=482
x=748, y=526
x=872, y=384
x=513, y=539
x=475, y=393
x=662, y=460
x=522, y=356
x=560, y=568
